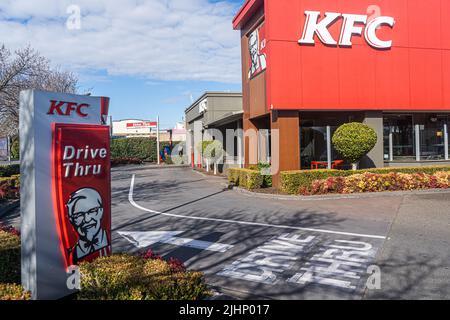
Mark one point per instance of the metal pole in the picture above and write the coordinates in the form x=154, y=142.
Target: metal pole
x=111, y=125
x=391, y=145
x=157, y=139
x=446, y=141
x=329, y=146
x=417, y=142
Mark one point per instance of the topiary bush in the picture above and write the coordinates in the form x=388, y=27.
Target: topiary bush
x=128, y=277
x=353, y=141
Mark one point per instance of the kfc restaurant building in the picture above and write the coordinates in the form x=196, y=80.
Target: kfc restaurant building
x=309, y=66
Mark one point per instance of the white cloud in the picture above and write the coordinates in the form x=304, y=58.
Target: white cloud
x=157, y=39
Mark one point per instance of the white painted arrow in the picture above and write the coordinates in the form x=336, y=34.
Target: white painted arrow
x=148, y=238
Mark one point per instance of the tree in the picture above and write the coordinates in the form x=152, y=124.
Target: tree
x=353, y=141
x=27, y=69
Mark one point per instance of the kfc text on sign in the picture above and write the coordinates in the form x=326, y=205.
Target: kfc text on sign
x=349, y=28
x=64, y=108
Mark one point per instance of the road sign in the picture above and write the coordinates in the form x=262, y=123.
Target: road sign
x=65, y=187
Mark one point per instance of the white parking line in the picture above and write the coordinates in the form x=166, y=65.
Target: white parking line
x=134, y=204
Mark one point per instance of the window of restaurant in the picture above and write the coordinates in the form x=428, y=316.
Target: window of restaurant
x=416, y=137
x=316, y=147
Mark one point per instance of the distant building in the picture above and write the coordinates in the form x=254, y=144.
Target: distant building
x=219, y=111
x=135, y=128
x=179, y=132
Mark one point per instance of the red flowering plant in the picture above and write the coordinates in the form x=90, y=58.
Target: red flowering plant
x=174, y=264
x=372, y=182
x=9, y=229
x=9, y=188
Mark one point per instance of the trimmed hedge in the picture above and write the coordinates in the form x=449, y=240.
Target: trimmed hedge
x=123, y=161
x=13, y=292
x=9, y=258
x=293, y=181
x=127, y=277
x=245, y=178
x=10, y=187
x=375, y=182
x=267, y=178
x=138, y=148
x=9, y=170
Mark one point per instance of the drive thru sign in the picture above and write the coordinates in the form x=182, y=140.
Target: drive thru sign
x=65, y=187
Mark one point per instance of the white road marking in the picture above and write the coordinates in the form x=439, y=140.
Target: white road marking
x=133, y=203
x=146, y=239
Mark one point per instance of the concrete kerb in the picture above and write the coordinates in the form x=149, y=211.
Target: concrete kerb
x=334, y=196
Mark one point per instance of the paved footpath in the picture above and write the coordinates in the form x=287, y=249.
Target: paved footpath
x=286, y=249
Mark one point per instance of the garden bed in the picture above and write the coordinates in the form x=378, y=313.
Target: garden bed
x=145, y=276
x=295, y=182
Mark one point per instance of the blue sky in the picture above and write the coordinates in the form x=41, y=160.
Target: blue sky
x=151, y=57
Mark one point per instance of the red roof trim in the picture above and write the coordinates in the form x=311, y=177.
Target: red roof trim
x=242, y=15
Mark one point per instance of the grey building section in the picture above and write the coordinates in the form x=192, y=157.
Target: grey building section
x=212, y=113
x=375, y=158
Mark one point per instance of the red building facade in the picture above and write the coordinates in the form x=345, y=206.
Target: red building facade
x=311, y=65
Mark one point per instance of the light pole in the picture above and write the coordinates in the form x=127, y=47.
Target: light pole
x=157, y=140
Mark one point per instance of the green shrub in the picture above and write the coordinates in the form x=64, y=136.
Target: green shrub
x=9, y=170
x=143, y=149
x=13, y=292
x=293, y=181
x=245, y=178
x=354, y=140
x=15, y=149
x=233, y=176
x=140, y=148
x=9, y=258
x=375, y=182
x=127, y=277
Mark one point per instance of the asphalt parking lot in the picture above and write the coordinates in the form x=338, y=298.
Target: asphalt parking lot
x=383, y=247
x=279, y=249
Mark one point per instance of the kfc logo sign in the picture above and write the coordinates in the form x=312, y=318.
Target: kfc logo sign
x=82, y=190
x=63, y=108
x=352, y=25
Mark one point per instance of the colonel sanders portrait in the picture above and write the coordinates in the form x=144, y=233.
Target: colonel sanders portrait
x=85, y=210
x=258, y=61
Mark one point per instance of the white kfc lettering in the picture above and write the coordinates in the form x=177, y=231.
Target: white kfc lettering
x=321, y=28
x=371, y=32
x=348, y=30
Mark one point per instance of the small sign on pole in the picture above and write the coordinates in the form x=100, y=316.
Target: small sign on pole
x=65, y=187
